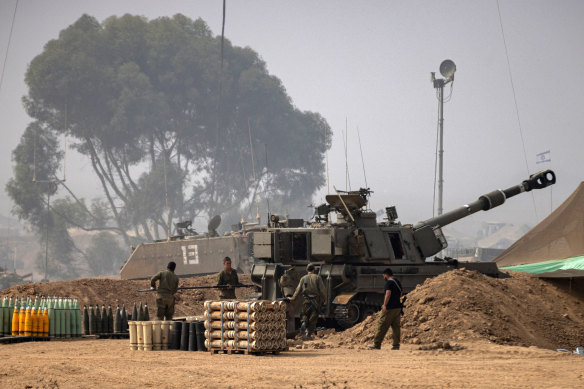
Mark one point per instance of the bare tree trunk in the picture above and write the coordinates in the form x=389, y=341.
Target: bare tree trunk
x=106, y=191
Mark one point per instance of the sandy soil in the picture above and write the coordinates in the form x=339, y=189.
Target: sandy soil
x=111, y=364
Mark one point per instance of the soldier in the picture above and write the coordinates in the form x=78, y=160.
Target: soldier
x=227, y=278
x=313, y=291
x=167, y=288
x=390, y=315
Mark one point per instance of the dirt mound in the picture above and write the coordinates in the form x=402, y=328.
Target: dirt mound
x=123, y=292
x=463, y=305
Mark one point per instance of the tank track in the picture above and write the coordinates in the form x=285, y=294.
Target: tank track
x=342, y=316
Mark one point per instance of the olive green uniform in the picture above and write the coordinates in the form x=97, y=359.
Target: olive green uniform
x=167, y=287
x=314, y=293
x=389, y=318
x=225, y=278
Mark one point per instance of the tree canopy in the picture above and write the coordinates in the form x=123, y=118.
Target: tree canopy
x=169, y=133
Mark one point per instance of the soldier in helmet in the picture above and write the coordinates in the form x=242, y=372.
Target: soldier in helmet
x=167, y=288
x=314, y=293
x=228, y=280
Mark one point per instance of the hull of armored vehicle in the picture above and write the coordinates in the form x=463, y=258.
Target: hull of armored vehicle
x=354, y=289
x=192, y=255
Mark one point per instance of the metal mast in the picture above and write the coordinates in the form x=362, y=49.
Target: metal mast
x=447, y=69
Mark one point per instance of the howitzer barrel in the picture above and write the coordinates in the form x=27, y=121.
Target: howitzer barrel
x=539, y=180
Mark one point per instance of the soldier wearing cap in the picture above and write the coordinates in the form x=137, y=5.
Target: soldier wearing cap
x=167, y=288
x=314, y=293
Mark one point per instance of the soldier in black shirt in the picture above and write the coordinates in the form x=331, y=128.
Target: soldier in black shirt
x=390, y=315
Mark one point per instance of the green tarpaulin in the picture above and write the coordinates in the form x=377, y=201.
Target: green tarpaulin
x=573, y=263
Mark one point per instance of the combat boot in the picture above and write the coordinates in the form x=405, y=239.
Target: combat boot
x=303, y=331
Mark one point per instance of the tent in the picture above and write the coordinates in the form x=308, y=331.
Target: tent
x=556, y=244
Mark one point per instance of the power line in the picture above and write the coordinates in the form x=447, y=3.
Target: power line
x=8, y=47
x=515, y=101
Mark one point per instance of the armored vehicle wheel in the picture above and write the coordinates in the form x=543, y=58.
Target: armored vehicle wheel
x=367, y=310
x=347, y=315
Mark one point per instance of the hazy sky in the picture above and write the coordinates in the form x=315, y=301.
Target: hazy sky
x=369, y=62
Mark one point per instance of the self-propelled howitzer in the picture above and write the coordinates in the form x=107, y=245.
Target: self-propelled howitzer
x=351, y=252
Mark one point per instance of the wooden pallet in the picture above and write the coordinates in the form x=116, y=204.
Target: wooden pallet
x=20, y=339
x=243, y=351
x=116, y=335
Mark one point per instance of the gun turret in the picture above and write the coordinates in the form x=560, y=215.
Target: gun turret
x=539, y=180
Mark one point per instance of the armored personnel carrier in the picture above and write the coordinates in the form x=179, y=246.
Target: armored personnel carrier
x=194, y=254
x=352, y=252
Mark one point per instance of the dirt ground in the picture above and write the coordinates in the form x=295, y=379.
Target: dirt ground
x=460, y=329
x=111, y=364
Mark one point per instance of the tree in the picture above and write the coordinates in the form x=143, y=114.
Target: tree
x=105, y=256
x=5, y=257
x=36, y=161
x=169, y=134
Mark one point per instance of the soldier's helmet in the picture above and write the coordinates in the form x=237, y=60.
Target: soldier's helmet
x=310, y=267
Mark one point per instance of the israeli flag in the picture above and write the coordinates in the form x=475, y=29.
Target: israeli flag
x=546, y=156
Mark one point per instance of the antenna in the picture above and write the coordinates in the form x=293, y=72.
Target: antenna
x=252, y=166
x=166, y=195
x=346, y=157
x=65, y=141
x=267, y=197
x=49, y=183
x=34, y=137
x=362, y=161
x=328, y=184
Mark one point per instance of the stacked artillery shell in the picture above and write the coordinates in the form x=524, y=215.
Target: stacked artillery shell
x=96, y=320
x=255, y=326
x=40, y=317
x=151, y=335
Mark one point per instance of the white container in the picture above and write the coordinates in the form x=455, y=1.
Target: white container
x=157, y=335
x=133, y=335
x=165, y=334
x=139, y=335
x=147, y=334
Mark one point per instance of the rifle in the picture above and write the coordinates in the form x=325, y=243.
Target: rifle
x=312, y=301
x=202, y=287
x=403, y=304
